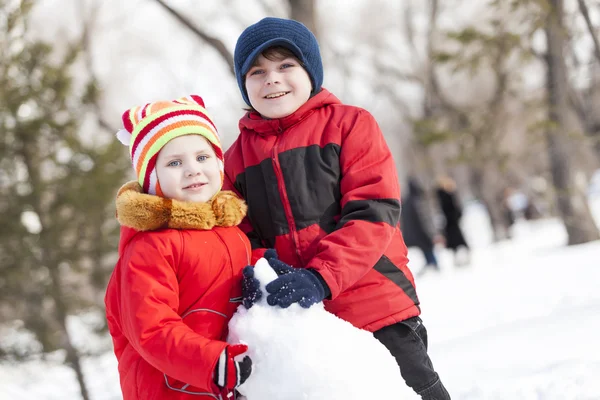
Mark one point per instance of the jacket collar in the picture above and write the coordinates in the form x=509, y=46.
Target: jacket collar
x=265, y=127
x=145, y=212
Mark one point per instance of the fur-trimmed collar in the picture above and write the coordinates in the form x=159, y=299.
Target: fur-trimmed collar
x=145, y=212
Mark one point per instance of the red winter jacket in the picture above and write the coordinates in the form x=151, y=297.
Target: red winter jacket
x=172, y=294
x=322, y=189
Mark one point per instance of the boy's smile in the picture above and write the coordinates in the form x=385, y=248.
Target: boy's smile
x=278, y=88
x=275, y=95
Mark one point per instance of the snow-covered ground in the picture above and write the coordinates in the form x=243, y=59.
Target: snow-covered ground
x=518, y=323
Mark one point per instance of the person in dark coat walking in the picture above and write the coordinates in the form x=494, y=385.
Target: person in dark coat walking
x=452, y=211
x=417, y=226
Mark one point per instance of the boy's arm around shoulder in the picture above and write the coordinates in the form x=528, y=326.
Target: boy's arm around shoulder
x=149, y=319
x=370, y=205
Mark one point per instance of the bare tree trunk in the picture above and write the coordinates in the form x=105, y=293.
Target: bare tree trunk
x=572, y=206
x=586, y=15
x=73, y=359
x=304, y=11
x=477, y=181
x=591, y=117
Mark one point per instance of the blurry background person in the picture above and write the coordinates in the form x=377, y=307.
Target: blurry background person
x=452, y=211
x=417, y=226
x=508, y=213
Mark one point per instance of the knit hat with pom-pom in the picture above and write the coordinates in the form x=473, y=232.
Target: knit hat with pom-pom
x=148, y=128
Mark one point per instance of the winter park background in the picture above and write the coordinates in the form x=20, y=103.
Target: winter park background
x=520, y=323
x=459, y=87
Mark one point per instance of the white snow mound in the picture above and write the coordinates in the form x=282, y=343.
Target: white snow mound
x=301, y=354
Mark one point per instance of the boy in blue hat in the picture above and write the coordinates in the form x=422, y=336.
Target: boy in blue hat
x=322, y=191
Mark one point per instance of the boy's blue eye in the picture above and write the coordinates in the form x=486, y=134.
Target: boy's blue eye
x=256, y=72
x=287, y=65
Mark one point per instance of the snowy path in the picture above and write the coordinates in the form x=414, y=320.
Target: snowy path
x=521, y=322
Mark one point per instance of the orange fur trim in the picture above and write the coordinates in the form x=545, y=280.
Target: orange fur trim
x=146, y=212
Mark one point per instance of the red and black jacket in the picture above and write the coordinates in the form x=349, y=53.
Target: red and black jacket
x=322, y=189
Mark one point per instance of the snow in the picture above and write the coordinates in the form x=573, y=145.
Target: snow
x=519, y=323
x=300, y=354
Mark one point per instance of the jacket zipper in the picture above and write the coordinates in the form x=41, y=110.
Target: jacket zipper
x=284, y=198
x=248, y=258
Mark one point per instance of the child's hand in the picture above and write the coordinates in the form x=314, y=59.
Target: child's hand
x=293, y=285
x=296, y=286
x=251, y=292
x=278, y=266
x=229, y=373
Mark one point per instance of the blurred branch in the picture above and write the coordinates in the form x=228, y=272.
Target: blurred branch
x=86, y=46
x=398, y=75
x=434, y=89
x=577, y=105
x=269, y=10
x=215, y=43
x=538, y=56
x=409, y=30
x=392, y=94
x=436, y=100
x=586, y=15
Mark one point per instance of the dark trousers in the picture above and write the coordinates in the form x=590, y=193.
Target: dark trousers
x=430, y=258
x=407, y=341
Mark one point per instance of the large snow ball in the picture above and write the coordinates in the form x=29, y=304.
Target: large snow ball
x=301, y=354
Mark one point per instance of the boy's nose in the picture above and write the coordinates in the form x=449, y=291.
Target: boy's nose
x=272, y=77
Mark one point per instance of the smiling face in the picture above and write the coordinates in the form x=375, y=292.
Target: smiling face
x=277, y=85
x=188, y=169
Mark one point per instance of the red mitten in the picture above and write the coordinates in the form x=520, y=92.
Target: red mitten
x=229, y=373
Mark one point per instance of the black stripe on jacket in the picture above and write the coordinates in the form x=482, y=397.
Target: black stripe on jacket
x=387, y=268
x=312, y=182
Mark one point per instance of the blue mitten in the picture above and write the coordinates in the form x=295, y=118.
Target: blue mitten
x=251, y=292
x=294, y=285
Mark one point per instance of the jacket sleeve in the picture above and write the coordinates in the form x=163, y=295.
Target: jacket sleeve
x=258, y=250
x=370, y=205
x=149, y=318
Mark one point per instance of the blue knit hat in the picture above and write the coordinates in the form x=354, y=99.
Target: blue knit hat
x=269, y=32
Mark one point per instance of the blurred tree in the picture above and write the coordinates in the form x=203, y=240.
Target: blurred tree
x=587, y=111
x=571, y=202
x=479, y=127
x=499, y=47
x=305, y=12
x=57, y=182
x=583, y=8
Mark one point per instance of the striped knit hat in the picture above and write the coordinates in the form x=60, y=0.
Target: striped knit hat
x=150, y=127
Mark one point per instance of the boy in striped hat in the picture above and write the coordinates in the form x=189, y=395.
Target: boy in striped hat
x=178, y=279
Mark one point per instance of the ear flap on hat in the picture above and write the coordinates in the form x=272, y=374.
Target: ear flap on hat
x=124, y=137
